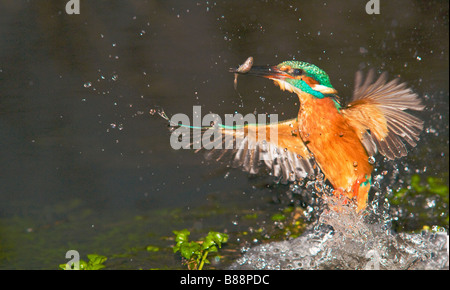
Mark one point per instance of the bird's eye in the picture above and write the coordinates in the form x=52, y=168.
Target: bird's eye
x=297, y=72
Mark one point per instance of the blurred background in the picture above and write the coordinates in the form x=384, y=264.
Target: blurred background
x=84, y=166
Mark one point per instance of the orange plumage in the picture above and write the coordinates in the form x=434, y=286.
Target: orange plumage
x=336, y=146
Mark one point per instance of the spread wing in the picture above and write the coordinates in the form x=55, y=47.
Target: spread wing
x=276, y=147
x=377, y=111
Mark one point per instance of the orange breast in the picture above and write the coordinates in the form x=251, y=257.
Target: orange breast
x=335, y=145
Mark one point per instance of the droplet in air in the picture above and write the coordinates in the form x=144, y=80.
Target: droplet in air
x=87, y=84
x=371, y=160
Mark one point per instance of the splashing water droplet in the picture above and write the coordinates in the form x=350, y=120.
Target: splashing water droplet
x=87, y=84
x=371, y=160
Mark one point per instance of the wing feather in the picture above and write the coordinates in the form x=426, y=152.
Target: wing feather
x=377, y=111
x=286, y=157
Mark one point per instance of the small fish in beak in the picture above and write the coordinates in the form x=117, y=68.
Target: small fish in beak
x=242, y=69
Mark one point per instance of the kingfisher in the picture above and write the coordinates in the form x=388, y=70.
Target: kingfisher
x=340, y=141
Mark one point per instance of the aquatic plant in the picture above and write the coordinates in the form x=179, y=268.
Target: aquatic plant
x=95, y=263
x=423, y=203
x=195, y=253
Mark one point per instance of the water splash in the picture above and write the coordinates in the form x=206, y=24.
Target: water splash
x=345, y=239
x=339, y=237
x=160, y=112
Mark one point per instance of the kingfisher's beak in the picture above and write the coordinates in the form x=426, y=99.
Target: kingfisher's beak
x=270, y=72
x=280, y=77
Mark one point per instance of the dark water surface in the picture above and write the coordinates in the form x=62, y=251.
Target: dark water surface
x=84, y=166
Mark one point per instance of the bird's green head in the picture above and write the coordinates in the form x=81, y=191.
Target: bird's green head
x=295, y=76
